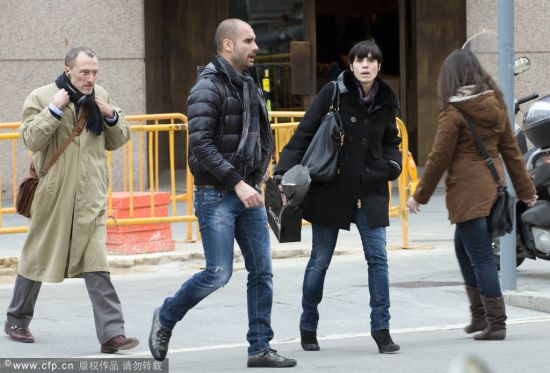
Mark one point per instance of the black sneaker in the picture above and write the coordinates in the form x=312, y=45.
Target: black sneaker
x=384, y=342
x=159, y=338
x=269, y=359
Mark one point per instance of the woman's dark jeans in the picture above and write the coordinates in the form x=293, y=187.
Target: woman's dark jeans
x=474, y=251
x=374, y=247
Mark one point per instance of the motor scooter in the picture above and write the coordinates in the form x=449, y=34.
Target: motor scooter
x=533, y=224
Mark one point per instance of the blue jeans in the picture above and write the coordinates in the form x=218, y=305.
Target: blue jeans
x=374, y=247
x=475, y=256
x=222, y=219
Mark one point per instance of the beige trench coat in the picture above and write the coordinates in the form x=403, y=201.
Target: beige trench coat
x=67, y=230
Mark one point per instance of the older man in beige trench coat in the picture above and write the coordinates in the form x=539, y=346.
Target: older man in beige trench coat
x=67, y=228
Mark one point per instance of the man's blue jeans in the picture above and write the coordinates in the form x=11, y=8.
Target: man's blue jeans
x=374, y=247
x=474, y=250
x=222, y=219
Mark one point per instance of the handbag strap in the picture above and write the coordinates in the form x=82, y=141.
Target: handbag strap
x=335, y=105
x=486, y=157
x=77, y=130
x=335, y=108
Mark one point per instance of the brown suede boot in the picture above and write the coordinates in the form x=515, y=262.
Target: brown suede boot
x=496, y=318
x=479, y=320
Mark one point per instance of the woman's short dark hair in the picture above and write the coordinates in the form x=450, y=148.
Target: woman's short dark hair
x=363, y=49
x=462, y=68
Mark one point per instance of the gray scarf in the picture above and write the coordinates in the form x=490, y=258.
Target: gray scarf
x=368, y=98
x=249, y=150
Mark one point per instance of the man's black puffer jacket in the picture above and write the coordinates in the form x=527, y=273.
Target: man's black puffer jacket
x=215, y=114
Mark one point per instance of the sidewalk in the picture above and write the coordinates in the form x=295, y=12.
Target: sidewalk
x=429, y=230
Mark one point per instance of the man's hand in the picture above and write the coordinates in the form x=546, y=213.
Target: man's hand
x=248, y=195
x=106, y=109
x=60, y=99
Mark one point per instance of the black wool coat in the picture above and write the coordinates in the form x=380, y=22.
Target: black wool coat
x=370, y=141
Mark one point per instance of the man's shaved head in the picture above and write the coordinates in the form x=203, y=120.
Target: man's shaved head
x=227, y=29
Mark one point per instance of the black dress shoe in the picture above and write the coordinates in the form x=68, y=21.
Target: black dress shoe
x=159, y=337
x=309, y=340
x=383, y=340
x=18, y=334
x=269, y=359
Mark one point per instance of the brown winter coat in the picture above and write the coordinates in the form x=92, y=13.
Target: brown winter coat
x=471, y=189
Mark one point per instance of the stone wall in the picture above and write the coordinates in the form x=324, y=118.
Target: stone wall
x=35, y=35
x=531, y=39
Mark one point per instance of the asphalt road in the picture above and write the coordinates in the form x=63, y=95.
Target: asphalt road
x=428, y=311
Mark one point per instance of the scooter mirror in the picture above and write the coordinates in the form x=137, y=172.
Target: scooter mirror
x=521, y=65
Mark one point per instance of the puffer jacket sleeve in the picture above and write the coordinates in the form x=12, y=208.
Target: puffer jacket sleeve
x=294, y=150
x=513, y=159
x=204, y=110
x=440, y=157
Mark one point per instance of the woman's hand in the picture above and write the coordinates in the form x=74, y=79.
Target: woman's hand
x=413, y=206
x=283, y=197
x=531, y=201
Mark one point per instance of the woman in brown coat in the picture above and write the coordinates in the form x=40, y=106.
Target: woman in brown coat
x=470, y=188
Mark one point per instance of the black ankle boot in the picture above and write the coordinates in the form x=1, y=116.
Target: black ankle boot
x=383, y=340
x=309, y=340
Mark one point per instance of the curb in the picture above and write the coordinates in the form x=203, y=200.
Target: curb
x=119, y=261
x=8, y=265
x=529, y=300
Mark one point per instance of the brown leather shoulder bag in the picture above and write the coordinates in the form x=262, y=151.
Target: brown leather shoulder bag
x=27, y=186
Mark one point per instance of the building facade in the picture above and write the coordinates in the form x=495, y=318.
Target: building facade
x=149, y=50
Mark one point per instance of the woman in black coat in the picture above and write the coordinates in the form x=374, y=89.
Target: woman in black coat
x=370, y=158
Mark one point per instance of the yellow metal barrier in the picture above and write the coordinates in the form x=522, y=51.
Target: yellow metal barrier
x=284, y=125
x=13, y=136
x=406, y=183
x=150, y=125
x=283, y=133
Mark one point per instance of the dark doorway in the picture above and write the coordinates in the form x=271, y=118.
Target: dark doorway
x=414, y=36
x=276, y=24
x=341, y=24
x=179, y=36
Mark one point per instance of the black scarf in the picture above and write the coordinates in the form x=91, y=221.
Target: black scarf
x=249, y=150
x=95, y=120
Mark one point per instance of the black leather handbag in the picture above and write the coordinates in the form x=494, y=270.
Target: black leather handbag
x=322, y=156
x=500, y=219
